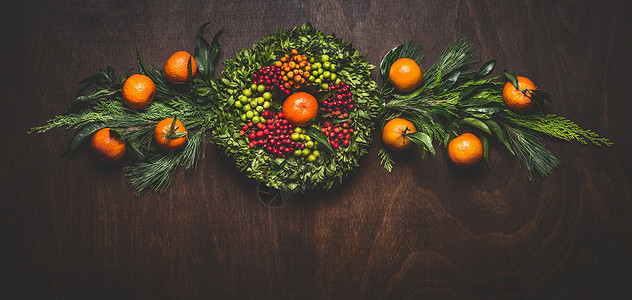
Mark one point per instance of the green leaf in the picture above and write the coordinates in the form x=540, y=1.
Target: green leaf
x=467, y=91
x=141, y=66
x=412, y=94
x=387, y=61
x=212, y=58
x=96, y=78
x=190, y=71
x=476, y=123
x=134, y=151
x=382, y=103
x=85, y=91
x=338, y=120
x=202, y=51
x=512, y=78
x=322, y=95
x=319, y=137
x=539, y=102
x=485, y=143
x=541, y=94
x=422, y=140
x=482, y=112
x=424, y=153
x=451, y=134
x=231, y=100
x=206, y=55
x=485, y=69
x=110, y=72
x=471, y=89
x=81, y=135
x=557, y=127
x=501, y=135
x=450, y=80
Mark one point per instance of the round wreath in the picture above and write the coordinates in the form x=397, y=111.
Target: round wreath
x=289, y=172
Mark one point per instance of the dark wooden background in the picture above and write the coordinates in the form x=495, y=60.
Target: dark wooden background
x=73, y=229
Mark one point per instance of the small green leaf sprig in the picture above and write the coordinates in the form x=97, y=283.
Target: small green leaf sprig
x=99, y=105
x=452, y=98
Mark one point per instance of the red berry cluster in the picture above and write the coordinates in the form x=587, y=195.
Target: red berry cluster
x=340, y=101
x=270, y=76
x=338, y=134
x=274, y=136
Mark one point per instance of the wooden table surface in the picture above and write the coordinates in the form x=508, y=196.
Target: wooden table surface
x=73, y=229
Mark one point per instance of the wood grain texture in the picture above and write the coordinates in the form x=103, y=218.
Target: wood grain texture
x=73, y=229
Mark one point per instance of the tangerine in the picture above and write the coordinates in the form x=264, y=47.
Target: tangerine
x=300, y=109
x=519, y=99
x=138, y=91
x=106, y=147
x=405, y=74
x=465, y=150
x=170, y=135
x=394, y=134
x=176, y=67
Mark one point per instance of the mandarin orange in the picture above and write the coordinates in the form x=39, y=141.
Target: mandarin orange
x=465, y=150
x=138, y=91
x=176, y=67
x=519, y=100
x=394, y=134
x=300, y=109
x=405, y=74
x=170, y=135
x=106, y=147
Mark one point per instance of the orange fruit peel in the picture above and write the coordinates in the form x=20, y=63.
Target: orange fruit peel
x=405, y=74
x=138, y=91
x=519, y=100
x=176, y=67
x=465, y=150
x=106, y=147
x=300, y=109
x=394, y=134
x=170, y=134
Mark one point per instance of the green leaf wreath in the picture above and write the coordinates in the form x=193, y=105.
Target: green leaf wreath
x=292, y=174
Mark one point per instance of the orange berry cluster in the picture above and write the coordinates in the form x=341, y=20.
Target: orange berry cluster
x=294, y=69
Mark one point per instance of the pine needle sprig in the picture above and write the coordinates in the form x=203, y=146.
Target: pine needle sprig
x=454, y=63
x=162, y=85
x=158, y=172
x=531, y=151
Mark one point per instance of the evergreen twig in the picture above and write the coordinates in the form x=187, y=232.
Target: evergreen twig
x=531, y=151
x=151, y=168
x=557, y=127
x=452, y=98
x=386, y=159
